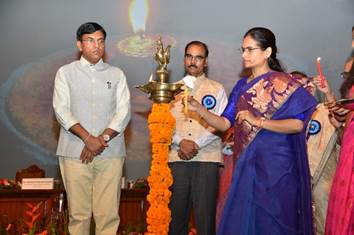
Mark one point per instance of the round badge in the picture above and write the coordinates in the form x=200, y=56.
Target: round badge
x=315, y=127
x=209, y=101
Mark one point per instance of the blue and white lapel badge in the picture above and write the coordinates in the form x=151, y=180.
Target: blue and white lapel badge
x=209, y=101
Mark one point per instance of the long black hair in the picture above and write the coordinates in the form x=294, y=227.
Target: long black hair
x=265, y=38
x=347, y=83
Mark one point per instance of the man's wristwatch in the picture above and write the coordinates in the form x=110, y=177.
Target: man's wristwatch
x=106, y=137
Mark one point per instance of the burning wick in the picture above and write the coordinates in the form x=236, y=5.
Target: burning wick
x=151, y=78
x=319, y=70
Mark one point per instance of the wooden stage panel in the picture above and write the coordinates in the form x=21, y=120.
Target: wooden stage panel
x=15, y=202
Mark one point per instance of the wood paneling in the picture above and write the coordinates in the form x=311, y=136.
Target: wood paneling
x=15, y=203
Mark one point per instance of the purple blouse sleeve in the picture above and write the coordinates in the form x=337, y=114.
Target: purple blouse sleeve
x=300, y=116
x=230, y=110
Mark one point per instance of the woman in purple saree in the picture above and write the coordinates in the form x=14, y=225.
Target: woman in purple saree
x=270, y=191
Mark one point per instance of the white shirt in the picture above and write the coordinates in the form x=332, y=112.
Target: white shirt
x=97, y=97
x=193, y=127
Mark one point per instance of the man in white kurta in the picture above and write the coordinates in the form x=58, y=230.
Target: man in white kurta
x=91, y=101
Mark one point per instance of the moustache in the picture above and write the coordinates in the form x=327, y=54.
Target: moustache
x=192, y=66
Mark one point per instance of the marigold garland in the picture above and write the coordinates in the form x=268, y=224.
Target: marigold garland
x=161, y=125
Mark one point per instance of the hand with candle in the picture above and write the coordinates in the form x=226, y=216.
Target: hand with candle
x=193, y=104
x=185, y=99
x=188, y=86
x=323, y=86
x=320, y=72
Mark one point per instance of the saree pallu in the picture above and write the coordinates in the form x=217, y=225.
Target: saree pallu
x=340, y=212
x=270, y=192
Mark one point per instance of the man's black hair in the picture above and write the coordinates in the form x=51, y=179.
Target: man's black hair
x=88, y=28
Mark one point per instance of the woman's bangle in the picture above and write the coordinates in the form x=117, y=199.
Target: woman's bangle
x=261, y=123
x=88, y=136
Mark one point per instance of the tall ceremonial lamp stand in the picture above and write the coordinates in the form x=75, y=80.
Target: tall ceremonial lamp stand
x=161, y=125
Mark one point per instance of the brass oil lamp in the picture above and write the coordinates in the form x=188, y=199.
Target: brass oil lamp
x=160, y=90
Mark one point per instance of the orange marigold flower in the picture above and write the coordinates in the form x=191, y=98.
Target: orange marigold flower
x=161, y=125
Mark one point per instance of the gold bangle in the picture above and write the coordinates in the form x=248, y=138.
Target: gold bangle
x=88, y=136
x=262, y=122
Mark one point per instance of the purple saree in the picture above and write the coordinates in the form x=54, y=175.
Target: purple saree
x=270, y=190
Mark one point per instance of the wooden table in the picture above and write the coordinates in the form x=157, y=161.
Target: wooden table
x=16, y=204
x=132, y=208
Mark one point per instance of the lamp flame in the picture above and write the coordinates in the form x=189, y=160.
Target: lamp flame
x=138, y=14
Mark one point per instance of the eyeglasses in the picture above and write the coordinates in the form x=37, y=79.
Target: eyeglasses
x=248, y=49
x=92, y=41
x=344, y=74
x=197, y=58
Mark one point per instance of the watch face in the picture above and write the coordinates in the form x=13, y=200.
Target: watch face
x=106, y=137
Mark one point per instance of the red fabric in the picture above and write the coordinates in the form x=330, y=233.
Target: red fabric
x=340, y=212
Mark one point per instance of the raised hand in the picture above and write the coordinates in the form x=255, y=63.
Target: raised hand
x=322, y=86
x=193, y=104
